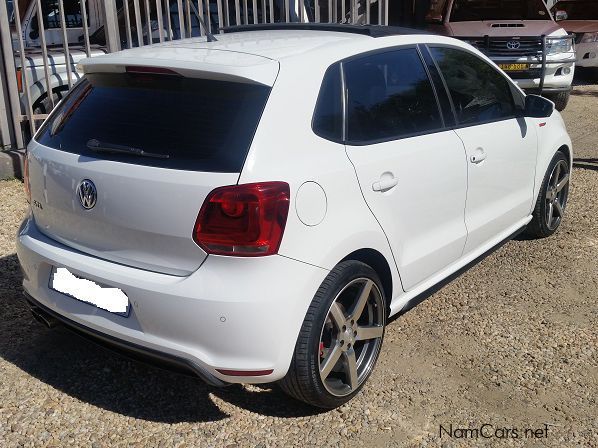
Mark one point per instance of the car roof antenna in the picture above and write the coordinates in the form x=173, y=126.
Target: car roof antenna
x=209, y=35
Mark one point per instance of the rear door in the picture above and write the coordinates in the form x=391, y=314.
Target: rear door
x=411, y=166
x=501, y=144
x=94, y=190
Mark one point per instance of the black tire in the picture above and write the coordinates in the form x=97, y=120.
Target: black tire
x=540, y=227
x=303, y=380
x=560, y=99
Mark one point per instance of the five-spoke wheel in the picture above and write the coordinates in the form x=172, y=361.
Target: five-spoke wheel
x=340, y=339
x=552, y=200
x=351, y=337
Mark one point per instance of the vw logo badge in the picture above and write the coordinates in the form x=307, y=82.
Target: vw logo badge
x=87, y=193
x=513, y=44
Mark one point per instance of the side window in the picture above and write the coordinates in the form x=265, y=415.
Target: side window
x=389, y=96
x=480, y=93
x=328, y=116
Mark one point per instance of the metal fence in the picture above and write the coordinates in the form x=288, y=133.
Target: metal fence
x=40, y=43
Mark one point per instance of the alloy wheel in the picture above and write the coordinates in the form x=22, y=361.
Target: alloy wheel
x=556, y=194
x=351, y=337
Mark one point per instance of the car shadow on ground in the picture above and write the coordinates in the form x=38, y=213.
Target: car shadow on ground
x=99, y=377
x=586, y=164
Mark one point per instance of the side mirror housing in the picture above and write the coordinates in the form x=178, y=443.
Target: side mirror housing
x=560, y=15
x=537, y=106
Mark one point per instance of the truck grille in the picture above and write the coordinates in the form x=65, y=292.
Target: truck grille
x=508, y=47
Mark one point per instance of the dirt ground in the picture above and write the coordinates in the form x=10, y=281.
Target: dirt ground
x=508, y=348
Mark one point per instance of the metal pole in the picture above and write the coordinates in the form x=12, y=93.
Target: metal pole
x=168, y=19
x=42, y=36
x=271, y=11
x=287, y=13
x=254, y=11
x=111, y=27
x=24, y=71
x=386, y=12
x=65, y=44
x=138, y=23
x=237, y=12
x=148, y=22
x=317, y=15
x=85, y=28
x=368, y=11
x=179, y=4
x=200, y=11
x=11, y=103
x=128, y=25
x=245, y=12
x=301, y=6
x=220, y=18
x=188, y=17
x=159, y=13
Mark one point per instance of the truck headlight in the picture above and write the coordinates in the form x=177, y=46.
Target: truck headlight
x=589, y=37
x=559, y=45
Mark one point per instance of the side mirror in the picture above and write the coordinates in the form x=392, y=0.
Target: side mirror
x=560, y=15
x=537, y=106
x=434, y=18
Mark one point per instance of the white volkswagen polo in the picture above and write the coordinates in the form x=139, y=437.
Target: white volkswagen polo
x=254, y=208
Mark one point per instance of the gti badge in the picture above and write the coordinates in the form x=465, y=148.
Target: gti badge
x=513, y=44
x=87, y=193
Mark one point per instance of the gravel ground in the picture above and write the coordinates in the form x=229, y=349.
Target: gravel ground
x=511, y=343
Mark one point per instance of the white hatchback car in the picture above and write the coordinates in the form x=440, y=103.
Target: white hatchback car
x=255, y=208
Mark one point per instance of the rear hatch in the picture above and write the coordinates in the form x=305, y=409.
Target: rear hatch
x=151, y=144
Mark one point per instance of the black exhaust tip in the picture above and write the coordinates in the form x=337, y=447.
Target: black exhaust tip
x=43, y=317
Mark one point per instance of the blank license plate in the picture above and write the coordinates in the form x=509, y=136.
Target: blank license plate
x=513, y=67
x=109, y=299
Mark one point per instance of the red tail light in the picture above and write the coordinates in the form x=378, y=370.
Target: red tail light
x=243, y=220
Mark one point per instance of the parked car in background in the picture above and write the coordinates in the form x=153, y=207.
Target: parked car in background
x=580, y=17
x=279, y=250
x=520, y=36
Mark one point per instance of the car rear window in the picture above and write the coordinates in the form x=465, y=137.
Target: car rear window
x=183, y=123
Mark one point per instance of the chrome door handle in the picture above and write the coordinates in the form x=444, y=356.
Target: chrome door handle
x=478, y=156
x=385, y=184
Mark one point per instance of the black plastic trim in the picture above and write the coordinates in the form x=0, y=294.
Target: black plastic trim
x=366, y=30
x=135, y=351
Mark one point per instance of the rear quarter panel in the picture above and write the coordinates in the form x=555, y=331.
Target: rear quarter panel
x=285, y=148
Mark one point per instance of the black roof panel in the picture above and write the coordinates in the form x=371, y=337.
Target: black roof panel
x=366, y=30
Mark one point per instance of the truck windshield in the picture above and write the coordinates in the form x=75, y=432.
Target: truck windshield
x=578, y=10
x=475, y=10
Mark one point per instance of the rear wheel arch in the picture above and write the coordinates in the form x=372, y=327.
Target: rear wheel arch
x=378, y=263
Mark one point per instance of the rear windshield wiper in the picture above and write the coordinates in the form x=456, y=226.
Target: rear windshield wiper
x=98, y=146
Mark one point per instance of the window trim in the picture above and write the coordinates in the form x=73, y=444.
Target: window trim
x=458, y=125
x=379, y=51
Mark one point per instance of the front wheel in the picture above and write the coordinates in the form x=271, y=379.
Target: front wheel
x=552, y=199
x=340, y=339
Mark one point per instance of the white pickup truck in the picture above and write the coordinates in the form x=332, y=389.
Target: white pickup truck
x=520, y=36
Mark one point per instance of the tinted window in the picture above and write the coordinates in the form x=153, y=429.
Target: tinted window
x=202, y=125
x=328, y=117
x=475, y=10
x=479, y=92
x=389, y=96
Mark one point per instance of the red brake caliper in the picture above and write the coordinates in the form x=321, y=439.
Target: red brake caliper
x=321, y=349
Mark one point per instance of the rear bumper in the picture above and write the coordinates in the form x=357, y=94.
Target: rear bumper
x=240, y=314
x=125, y=347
